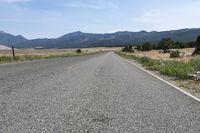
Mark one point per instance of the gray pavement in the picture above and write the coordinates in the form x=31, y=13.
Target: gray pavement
x=97, y=93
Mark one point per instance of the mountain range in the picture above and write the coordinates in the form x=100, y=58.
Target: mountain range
x=85, y=40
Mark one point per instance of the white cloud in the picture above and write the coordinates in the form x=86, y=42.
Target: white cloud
x=181, y=16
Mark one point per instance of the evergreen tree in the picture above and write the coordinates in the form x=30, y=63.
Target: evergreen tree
x=197, y=47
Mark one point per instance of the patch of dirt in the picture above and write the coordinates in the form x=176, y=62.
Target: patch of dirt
x=190, y=86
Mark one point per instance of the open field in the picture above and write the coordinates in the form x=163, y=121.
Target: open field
x=33, y=54
x=44, y=52
x=159, y=55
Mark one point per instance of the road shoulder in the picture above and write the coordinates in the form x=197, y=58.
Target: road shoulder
x=168, y=80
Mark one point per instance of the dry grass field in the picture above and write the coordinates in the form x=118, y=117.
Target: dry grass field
x=54, y=52
x=37, y=54
x=159, y=55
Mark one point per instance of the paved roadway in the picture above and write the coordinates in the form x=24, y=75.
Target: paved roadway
x=97, y=93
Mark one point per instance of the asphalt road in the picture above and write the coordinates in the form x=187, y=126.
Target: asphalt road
x=95, y=93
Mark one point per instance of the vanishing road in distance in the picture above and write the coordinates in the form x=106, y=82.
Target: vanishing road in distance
x=95, y=93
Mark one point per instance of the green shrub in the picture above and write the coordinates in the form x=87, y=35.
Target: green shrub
x=128, y=49
x=197, y=47
x=175, y=54
x=165, y=44
x=139, y=47
x=195, y=63
x=78, y=51
x=147, y=47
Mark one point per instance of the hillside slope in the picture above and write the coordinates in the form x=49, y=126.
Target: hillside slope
x=84, y=40
x=10, y=40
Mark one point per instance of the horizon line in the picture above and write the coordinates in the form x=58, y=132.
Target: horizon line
x=2, y=31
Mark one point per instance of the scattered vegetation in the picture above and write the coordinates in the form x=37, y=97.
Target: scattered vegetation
x=175, y=54
x=179, y=69
x=128, y=49
x=78, y=51
x=197, y=47
x=170, y=68
x=146, y=47
x=9, y=59
x=29, y=57
x=4, y=59
x=166, y=44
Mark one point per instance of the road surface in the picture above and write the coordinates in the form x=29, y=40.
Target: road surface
x=95, y=93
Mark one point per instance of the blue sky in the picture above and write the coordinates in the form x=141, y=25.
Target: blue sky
x=53, y=18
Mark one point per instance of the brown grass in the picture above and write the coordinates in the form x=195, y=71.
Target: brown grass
x=157, y=54
x=53, y=52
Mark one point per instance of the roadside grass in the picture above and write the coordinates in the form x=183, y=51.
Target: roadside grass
x=5, y=59
x=170, y=68
x=39, y=54
x=20, y=58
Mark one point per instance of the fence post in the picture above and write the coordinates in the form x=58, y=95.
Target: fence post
x=13, y=53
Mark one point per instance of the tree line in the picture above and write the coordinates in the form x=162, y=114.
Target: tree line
x=166, y=44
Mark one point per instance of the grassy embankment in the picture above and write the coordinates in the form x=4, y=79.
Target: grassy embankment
x=170, y=68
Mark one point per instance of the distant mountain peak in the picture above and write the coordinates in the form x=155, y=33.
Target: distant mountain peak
x=20, y=36
x=143, y=31
x=10, y=40
x=2, y=32
x=77, y=33
x=122, y=32
x=74, y=34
